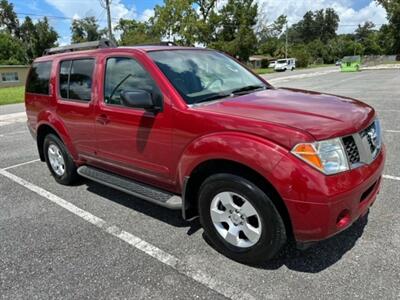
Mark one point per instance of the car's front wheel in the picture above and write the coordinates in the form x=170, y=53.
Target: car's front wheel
x=58, y=160
x=239, y=219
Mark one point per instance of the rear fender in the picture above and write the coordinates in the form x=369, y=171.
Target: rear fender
x=52, y=120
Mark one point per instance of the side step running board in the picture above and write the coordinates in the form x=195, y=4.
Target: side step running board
x=131, y=187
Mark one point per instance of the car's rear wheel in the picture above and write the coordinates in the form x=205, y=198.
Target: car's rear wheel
x=58, y=160
x=239, y=219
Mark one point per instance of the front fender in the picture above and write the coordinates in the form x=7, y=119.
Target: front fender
x=255, y=152
x=53, y=121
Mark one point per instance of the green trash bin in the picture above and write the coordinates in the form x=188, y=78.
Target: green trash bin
x=350, y=63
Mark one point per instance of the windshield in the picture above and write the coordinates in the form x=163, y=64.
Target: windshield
x=282, y=61
x=202, y=75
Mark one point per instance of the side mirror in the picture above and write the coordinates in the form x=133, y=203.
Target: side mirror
x=137, y=99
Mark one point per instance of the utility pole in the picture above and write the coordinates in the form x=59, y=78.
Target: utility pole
x=110, y=36
x=286, y=40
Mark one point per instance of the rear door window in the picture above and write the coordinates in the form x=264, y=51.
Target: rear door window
x=39, y=77
x=76, y=79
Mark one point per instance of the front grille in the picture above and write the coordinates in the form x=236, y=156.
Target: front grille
x=351, y=149
x=363, y=147
x=370, y=134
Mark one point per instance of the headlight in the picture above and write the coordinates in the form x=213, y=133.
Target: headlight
x=327, y=156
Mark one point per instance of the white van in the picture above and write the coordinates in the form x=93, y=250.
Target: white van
x=285, y=64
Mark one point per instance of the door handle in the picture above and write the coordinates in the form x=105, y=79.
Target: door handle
x=102, y=119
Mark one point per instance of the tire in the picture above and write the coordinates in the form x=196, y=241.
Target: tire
x=248, y=249
x=56, y=153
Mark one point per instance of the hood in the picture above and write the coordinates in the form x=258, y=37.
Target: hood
x=321, y=115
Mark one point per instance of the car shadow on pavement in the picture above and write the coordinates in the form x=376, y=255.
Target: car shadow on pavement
x=317, y=258
x=171, y=217
x=321, y=255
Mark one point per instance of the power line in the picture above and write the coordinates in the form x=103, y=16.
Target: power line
x=226, y=25
x=51, y=16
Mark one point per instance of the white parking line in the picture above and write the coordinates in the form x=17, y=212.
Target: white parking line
x=391, y=177
x=12, y=118
x=392, y=131
x=162, y=256
x=301, y=76
x=21, y=164
x=13, y=133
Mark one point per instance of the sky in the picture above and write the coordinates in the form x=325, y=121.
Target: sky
x=61, y=12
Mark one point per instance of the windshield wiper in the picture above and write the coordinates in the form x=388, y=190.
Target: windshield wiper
x=213, y=97
x=233, y=93
x=248, y=88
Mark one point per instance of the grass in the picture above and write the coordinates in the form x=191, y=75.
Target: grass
x=263, y=71
x=10, y=95
x=317, y=66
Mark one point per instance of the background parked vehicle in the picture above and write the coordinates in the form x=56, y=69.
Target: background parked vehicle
x=272, y=64
x=285, y=64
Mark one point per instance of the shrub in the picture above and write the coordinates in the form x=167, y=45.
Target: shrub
x=301, y=55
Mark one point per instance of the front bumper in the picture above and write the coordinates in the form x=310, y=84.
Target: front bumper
x=321, y=206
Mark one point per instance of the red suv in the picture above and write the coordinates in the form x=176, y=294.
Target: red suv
x=193, y=129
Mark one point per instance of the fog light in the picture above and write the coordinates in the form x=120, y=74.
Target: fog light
x=343, y=218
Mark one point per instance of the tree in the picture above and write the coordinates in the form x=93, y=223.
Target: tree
x=321, y=24
x=266, y=31
x=363, y=31
x=386, y=39
x=236, y=36
x=37, y=37
x=8, y=18
x=11, y=50
x=45, y=36
x=206, y=7
x=308, y=27
x=206, y=21
x=331, y=24
x=392, y=8
x=270, y=39
x=369, y=38
x=85, y=30
x=301, y=54
x=177, y=21
x=135, y=32
x=21, y=43
x=28, y=37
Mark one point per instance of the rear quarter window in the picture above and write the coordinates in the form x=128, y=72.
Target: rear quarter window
x=38, y=78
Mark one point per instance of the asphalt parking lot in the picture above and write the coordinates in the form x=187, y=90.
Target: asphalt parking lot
x=89, y=241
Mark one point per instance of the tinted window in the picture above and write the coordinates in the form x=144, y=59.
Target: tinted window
x=38, y=79
x=125, y=74
x=64, y=78
x=80, y=80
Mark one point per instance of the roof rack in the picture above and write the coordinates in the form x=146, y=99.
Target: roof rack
x=166, y=43
x=103, y=43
